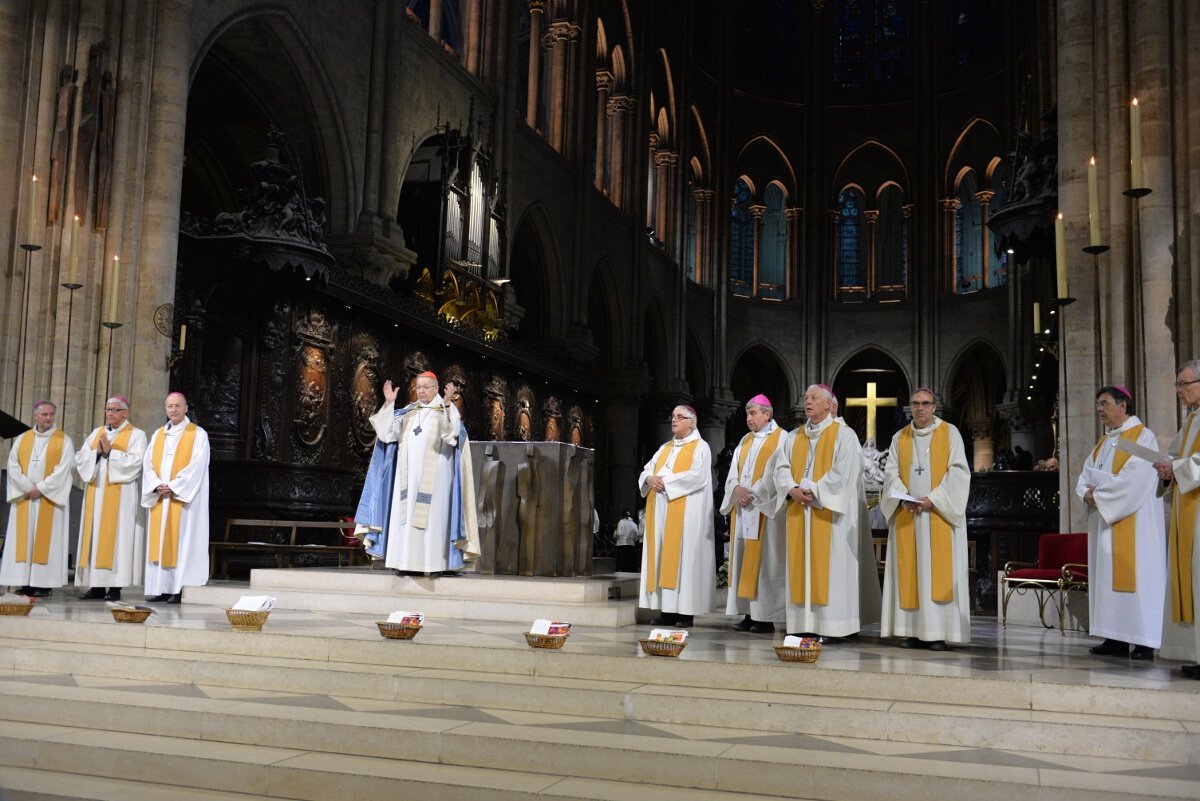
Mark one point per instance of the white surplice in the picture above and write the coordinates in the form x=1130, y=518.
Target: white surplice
x=697, y=560
x=768, y=604
x=1182, y=640
x=123, y=468
x=55, y=486
x=840, y=491
x=930, y=621
x=1133, y=617
x=190, y=485
x=409, y=548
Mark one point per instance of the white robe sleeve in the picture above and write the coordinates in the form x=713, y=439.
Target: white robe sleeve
x=647, y=471
x=950, y=496
x=780, y=469
x=1129, y=489
x=86, y=463
x=125, y=467
x=731, y=481
x=150, y=477
x=19, y=484
x=837, y=490
x=693, y=480
x=453, y=426
x=57, y=485
x=1187, y=470
x=187, y=483
x=384, y=422
x=891, y=481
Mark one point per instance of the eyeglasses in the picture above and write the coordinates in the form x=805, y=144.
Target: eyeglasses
x=921, y=403
x=1182, y=384
x=111, y=409
x=680, y=417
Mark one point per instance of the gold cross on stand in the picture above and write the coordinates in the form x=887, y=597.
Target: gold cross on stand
x=872, y=403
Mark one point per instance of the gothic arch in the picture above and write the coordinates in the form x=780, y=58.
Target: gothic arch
x=696, y=367
x=762, y=156
x=883, y=349
x=654, y=345
x=851, y=380
x=977, y=147
x=606, y=317
x=871, y=165
x=759, y=367
x=703, y=159
x=536, y=276
x=977, y=354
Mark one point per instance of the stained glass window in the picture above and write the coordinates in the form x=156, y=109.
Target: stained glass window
x=741, y=241
x=849, y=240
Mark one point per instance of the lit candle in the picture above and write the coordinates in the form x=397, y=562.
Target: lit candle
x=32, y=210
x=1037, y=317
x=1094, y=202
x=1060, y=254
x=182, y=337
x=1135, y=145
x=74, y=260
x=112, y=298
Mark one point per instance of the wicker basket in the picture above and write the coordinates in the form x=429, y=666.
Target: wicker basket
x=793, y=653
x=545, y=640
x=661, y=648
x=129, y=615
x=247, y=619
x=397, y=631
x=15, y=609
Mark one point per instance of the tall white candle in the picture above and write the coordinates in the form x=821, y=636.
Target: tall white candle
x=32, y=211
x=112, y=298
x=1094, y=202
x=1135, y=145
x=1060, y=254
x=182, y=337
x=1037, y=317
x=74, y=260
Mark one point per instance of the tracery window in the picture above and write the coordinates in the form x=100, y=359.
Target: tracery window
x=773, y=245
x=872, y=43
x=851, y=278
x=969, y=234
x=741, y=241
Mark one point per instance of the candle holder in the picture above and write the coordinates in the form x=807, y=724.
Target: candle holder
x=71, y=286
x=112, y=327
x=1138, y=192
x=173, y=358
x=1096, y=250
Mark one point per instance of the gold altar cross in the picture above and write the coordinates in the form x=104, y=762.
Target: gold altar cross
x=872, y=403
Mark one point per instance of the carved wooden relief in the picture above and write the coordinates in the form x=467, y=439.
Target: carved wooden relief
x=364, y=390
x=271, y=380
x=496, y=395
x=575, y=425
x=552, y=414
x=312, y=385
x=525, y=406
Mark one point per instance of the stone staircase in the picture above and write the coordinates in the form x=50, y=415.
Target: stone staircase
x=93, y=710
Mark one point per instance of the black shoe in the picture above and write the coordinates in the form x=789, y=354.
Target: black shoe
x=26, y=590
x=662, y=620
x=158, y=599
x=1190, y=671
x=1142, y=653
x=745, y=624
x=94, y=594
x=177, y=598
x=113, y=594
x=936, y=645
x=912, y=642
x=39, y=592
x=683, y=621
x=762, y=627
x=1110, y=648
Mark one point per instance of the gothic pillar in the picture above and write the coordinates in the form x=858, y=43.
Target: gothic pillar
x=949, y=205
x=793, y=254
x=714, y=424
x=474, y=23
x=556, y=41
x=536, y=9
x=756, y=211
x=704, y=233
x=618, y=108
x=985, y=444
x=652, y=190
x=985, y=197
x=604, y=80
x=435, y=20
x=664, y=182
x=872, y=218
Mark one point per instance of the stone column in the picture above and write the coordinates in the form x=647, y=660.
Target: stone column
x=474, y=24
x=871, y=216
x=714, y=423
x=756, y=211
x=536, y=9
x=435, y=20
x=948, y=206
x=623, y=464
x=618, y=111
x=984, y=442
x=794, y=250
x=985, y=197
x=704, y=233
x=604, y=81
x=558, y=36
x=664, y=180
x=652, y=190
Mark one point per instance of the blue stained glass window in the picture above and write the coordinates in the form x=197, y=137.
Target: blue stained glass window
x=849, y=239
x=872, y=42
x=773, y=246
x=741, y=241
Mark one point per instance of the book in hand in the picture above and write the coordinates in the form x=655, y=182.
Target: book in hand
x=668, y=635
x=407, y=618
x=553, y=628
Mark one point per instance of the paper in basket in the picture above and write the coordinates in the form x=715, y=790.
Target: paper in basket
x=14, y=598
x=131, y=607
x=407, y=618
x=254, y=603
x=792, y=641
x=668, y=635
x=554, y=628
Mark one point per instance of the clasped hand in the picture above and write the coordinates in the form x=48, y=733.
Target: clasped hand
x=742, y=496
x=802, y=496
x=919, y=506
x=1165, y=470
x=656, y=484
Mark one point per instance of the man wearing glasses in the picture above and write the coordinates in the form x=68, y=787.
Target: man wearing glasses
x=678, y=562
x=925, y=487
x=1181, y=483
x=112, y=534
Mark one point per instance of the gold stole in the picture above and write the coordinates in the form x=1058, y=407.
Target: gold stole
x=752, y=549
x=109, y=511
x=821, y=533
x=673, y=533
x=1124, y=566
x=45, y=522
x=169, y=539
x=941, y=539
x=429, y=466
x=1181, y=535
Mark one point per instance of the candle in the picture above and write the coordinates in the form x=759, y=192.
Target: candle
x=74, y=260
x=182, y=337
x=32, y=210
x=112, y=298
x=1135, y=145
x=1060, y=254
x=1094, y=202
x=1037, y=317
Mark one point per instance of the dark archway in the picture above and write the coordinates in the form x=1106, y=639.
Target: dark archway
x=851, y=385
x=758, y=370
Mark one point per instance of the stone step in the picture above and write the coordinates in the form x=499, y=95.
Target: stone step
x=563, y=764
x=28, y=784
x=928, y=723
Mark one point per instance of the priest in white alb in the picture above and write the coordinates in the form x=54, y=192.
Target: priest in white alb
x=926, y=483
x=1127, y=563
x=1181, y=485
x=816, y=485
x=175, y=490
x=757, y=538
x=422, y=518
x=39, y=493
x=111, y=550
x=678, y=560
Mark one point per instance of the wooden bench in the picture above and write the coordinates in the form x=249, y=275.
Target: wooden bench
x=285, y=553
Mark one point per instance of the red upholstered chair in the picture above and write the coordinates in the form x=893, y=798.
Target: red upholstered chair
x=1060, y=569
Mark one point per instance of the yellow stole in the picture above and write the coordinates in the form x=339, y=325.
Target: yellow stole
x=673, y=534
x=45, y=518
x=752, y=549
x=941, y=539
x=820, y=531
x=1181, y=535
x=1124, y=566
x=164, y=545
x=109, y=511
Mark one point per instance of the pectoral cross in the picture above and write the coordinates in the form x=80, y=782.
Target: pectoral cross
x=872, y=403
x=920, y=470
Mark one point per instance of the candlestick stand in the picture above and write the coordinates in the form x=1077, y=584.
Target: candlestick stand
x=67, y=361
x=108, y=372
x=29, y=249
